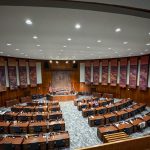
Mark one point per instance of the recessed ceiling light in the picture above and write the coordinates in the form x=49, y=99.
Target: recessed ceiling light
x=8, y=44
x=8, y=55
x=99, y=41
x=77, y=26
x=69, y=39
x=28, y=22
x=129, y=49
x=141, y=53
x=125, y=42
x=109, y=48
x=41, y=50
x=22, y=53
x=38, y=45
x=35, y=37
x=148, y=44
x=149, y=33
x=17, y=49
x=1, y=52
x=64, y=46
x=118, y=30
x=87, y=47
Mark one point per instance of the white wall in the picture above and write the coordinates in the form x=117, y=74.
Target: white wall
x=82, y=72
x=39, y=73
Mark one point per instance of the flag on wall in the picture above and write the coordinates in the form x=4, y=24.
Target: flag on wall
x=114, y=72
x=96, y=72
x=32, y=73
x=123, y=72
x=22, y=73
x=133, y=72
x=12, y=73
x=144, y=67
x=87, y=72
x=2, y=75
x=104, y=72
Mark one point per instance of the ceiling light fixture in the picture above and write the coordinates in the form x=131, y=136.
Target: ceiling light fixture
x=8, y=44
x=38, y=45
x=77, y=26
x=69, y=39
x=17, y=49
x=35, y=37
x=64, y=46
x=109, y=48
x=74, y=61
x=148, y=44
x=28, y=22
x=22, y=53
x=99, y=41
x=1, y=52
x=125, y=42
x=129, y=49
x=87, y=47
x=118, y=30
x=41, y=50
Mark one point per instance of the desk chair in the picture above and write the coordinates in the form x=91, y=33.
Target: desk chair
x=8, y=118
x=23, y=118
x=8, y=146
x=112, y=119
x=37, y=129
x=97, y=122
x=128, y=130
x=90, y=113
x=39, y=117
x=59, y=143
x=40, y=109
x=2, y=130
x=83, y=106
x=102, y=111
x=104, y=103
x=132, y=113
x=57, y=127
x=112, y=109
x=34, y=146
x=17, y=130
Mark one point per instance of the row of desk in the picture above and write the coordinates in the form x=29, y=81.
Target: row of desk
x=106, y=108
x=36, y=142
x=31, y=127
x=115, y=116
x=127, y=127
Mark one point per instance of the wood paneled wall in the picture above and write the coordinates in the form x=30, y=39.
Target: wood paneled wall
x=135, y=94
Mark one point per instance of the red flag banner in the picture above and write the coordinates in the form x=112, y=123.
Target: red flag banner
x=96, y=72
x=32, y=73
x=12, y=74
x=87, y=72
x=133, y=72
x=22, y=73
x=2, y=75
x=123, y=72
x=104, y=72
x=144, y=67
x=114, y=72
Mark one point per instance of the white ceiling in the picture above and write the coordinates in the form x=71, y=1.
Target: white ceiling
x=54, y=25
x=143, y=4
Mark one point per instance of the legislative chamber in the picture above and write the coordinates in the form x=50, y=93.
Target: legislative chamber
x=74, y=75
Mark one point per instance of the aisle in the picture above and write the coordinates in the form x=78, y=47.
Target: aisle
x=81, y=135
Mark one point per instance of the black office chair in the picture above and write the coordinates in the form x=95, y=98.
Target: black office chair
x=2, y=130
x=8, y=146
x=8, y=118
x=40, y=109
x=102, y=111
x=97, y=122
x=34, y=146
x=104, y=103
x=23, y=118
x=39, y=117
x=90, y=113
x=59, y=143
x=37, y=129
x=112, y=119
x=17, y=130
x=112, y=109
x=83, y=106
x=57, y=127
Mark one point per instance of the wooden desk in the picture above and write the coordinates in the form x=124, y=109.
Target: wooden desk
x=10, y=142
x=19, y=127
x=110, y=118
x=147, y=120
x=101, y=131
x=115, y=137
x=58, y=140
x=40, y=116
x=33, y=142
x=55, y=115
x=10, y=116
x=96, y=121
x=139, y=107
x=56, y=125
x=110, y=100
x=124, y=127
x=4, y=127
x=53, y=103
x=135, y=123
x=122, y=115
x=54, y=108
x=111, y=108
x=102, y=102
x=101, y=110
x=131, y=112
x=41, y=108
x=29, y=108
x=23, y=116
x=62, y=97
x=38, y=127
x=88, y=112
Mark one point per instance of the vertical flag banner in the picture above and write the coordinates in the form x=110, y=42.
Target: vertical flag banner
x=32, y=73
x=114, y=72
x=87, y=72
x=2, y=75
x=96, y=72
x=104, y=72
x=144, y=66
x=133, y=72
x=22, y=73
x=123, y=72
x=12, y=74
